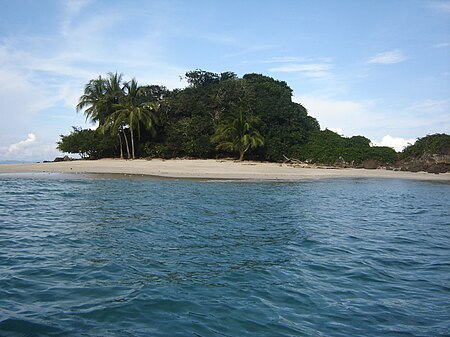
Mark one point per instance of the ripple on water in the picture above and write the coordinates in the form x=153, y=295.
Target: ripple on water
x=165, y=257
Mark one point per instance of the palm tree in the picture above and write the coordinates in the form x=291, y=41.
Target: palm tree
x=100, y=98
x=93, y=100
x=237, y=135
x=116, y=124
x=133, y=112
x=114, y=93
x=114, y=88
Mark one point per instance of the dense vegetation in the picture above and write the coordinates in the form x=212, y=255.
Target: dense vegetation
x=328, y=147
x=216, y=115
x=437, y=144
x=430, y=154
x=88, y=143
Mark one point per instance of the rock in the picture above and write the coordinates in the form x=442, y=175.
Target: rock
x=65, y=158
x=370, y=164
x=438, y=168
x=416, y=166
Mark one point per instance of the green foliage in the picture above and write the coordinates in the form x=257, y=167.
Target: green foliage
x=134, y=112
x=383, y=154
x=438, y=143
x=284, y=124
x=197, y=78
x=87, y=143
x=154, y=150
x=204, y=120
x=237, y=135
x=190, y=137
x=119, y=106
x=327, y=147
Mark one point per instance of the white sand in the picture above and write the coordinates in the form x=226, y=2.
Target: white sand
x=212, y=169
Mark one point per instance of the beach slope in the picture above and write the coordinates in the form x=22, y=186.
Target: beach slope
x=212, y=169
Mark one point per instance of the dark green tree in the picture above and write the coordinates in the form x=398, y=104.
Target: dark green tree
x=436, y=144
x=87, y=143
x=237, y=135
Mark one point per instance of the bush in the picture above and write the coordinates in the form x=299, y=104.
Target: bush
x=88, y=143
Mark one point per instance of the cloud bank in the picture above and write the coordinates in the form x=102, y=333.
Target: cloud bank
x=397, y=143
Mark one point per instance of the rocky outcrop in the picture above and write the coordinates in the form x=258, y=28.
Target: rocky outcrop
x=65, y=158
x=370, y=164
x=431, y=163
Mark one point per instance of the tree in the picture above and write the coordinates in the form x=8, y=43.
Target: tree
x=237, y=135
x=134, y=112
x=113, y=95
x=436, y=144
x=87, y=143
x=197, y=78
x=93, y=100
x=99, y=100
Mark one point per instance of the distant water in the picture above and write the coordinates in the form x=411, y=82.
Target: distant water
x=123, y=257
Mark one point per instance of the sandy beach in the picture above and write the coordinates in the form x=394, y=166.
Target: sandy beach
x=211, y=169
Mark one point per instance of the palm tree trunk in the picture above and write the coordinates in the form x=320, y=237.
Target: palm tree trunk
x=132, y=142
x=128, y=147
x=241, y=155
x=120, y=143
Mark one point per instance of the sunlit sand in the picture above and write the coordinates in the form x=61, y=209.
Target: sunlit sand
x=212, y=169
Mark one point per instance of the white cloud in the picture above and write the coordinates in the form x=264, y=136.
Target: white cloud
x=431, y=106
x=29, y=149
x=374, y=119
x=316, y=70
x=441, y=6
x=284, y=59
x=14, y=148
x=390, y=57
x=71, y=8
x=332, y=113
x=293, y=59
x=20, y=100
x=301, y=68
x=345, y=117
x=397, y=143
x=43, y=73
x=442, y=45
x=74, y=6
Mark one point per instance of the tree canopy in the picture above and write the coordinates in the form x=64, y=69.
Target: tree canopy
x=216, y=115
x=437, y=144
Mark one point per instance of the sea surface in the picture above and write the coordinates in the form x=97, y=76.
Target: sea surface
x=101, y=256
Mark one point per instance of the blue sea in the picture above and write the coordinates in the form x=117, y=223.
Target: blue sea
x=112, y=256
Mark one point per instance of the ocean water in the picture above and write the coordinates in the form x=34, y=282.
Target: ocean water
x=92, y=256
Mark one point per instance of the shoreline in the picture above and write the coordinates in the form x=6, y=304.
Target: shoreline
x=212, y=169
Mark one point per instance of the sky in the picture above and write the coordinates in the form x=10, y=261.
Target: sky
x=380, y=69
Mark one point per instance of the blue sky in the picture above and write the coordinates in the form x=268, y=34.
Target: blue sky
x=375, y=68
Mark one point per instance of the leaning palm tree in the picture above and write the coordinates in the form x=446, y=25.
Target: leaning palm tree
x=237, y=135
x=135, y=112
x=93, y=100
